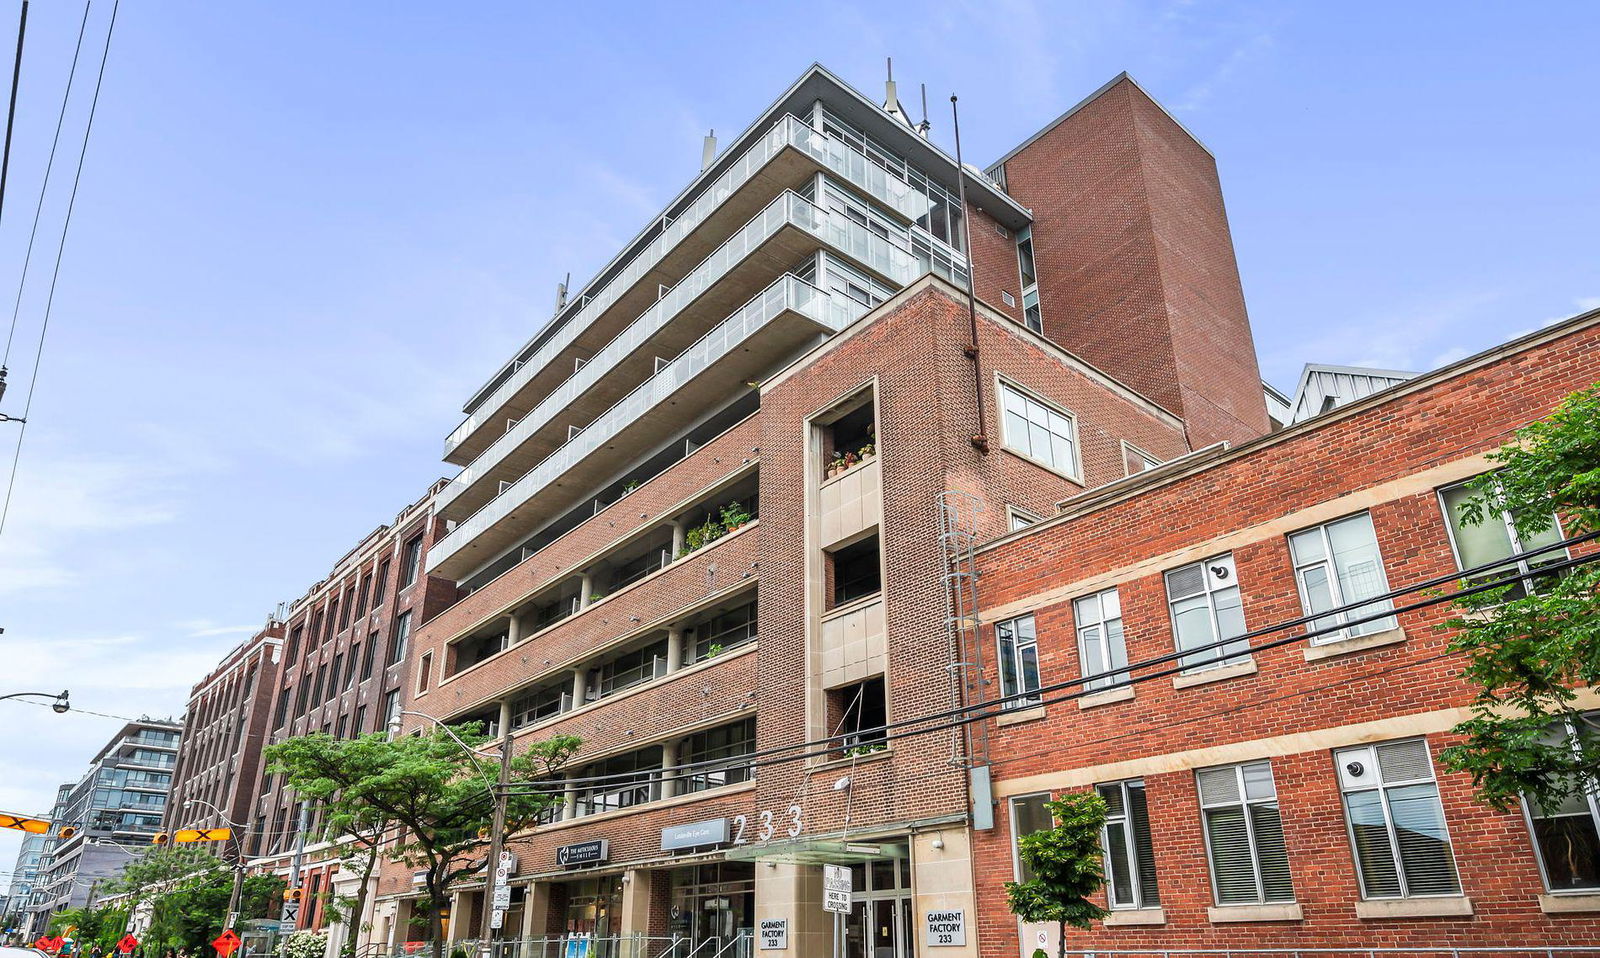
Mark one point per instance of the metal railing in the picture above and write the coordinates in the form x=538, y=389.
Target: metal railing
x=788, y=293
x=839, y=157
x=1442, y=951
x=607, y=946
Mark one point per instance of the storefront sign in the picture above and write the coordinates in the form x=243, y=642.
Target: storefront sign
x=774, y=934
x=836, y=888
x=710, y=832
x=947, y=927
x=584, y=853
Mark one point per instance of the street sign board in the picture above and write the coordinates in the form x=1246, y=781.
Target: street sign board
x=836, y=889
x=497, y=918
x=127, y=943
x=226, y=943
x=502, y=896
x=945, y=927
x=774, y=934
x=290, y=912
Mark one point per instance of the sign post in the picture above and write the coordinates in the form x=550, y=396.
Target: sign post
x=836, y=898
x=226, y=943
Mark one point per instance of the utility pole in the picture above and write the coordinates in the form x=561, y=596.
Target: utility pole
x=238, y=882
x=299, y=858
x=496, y=838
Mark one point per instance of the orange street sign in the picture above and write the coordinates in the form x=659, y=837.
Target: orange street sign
x=202, y=834
x=37, y=826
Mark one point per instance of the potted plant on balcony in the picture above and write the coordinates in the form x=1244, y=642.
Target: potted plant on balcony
x=707, y=532
x=735, y=516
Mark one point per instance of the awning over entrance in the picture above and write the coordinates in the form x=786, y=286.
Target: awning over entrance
x=817, y=851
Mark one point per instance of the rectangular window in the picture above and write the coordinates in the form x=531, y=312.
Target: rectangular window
x=1130, y=854
x=628, y=669
x=859, y=712
x=391, y=709
x=722, y=746
x=1100, y=647
x=1244, y=835
x=333, y=678
x=402, y=632
x=350, y=673
x=380, y=584
x=340, y=726
x=1567, y=836
x=316, y=690
x=1338, y=564
x=1135, y=461
x=424, y=672
x=1028, y=815
x=538, y=705
x=292, y=651
x=1496, y=539
x=1396, y=821
x=346, y=607
x=1031, y=316
x=630, y=779
x=366, y=591
x=728, y=631
x=411, y=560
x=856, y=572
x=1019, y=518
x=283, y=709
x=1038, y=430
x=370, y=657
x=359, y=727
x=1019, y=660
x=1205, y=605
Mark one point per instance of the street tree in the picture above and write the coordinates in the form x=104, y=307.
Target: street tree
x=1065, y=865
x=1531, y=646
x=433, y=793
x=187, y=889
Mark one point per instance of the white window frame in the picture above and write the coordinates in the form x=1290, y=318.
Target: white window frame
x=1592, y=799
x=1244, y=802
x=1072, y=470
x=1336, y=586
x=1020, y=518
x=1528, y=573
x=1383, y=787
x=1016, y=834
x=1029, y=290
x=1081, y=624
x=1023, y=700
x=1140, y=901
x=1209, y=594
x=1150, y=461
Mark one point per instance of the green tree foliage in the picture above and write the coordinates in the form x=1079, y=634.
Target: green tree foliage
x=188, y=889
x=1066, y=865
x=91, y=926
x=1527, y=654
x=431, y=793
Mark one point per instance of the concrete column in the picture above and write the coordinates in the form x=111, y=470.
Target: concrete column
x=505, y=716
x=679, y=537
x=669, y=762
x=460, y=920
x=794, y=892
x=513, y=629
x=585, y=589
x=943, y=878
x=536, y=910
x=674, y=649
x=579, y=687
x=636, y=887
x=570, y=810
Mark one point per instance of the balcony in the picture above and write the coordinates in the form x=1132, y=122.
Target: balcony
x=776, y=322
x=787, y=230
x=784, y=157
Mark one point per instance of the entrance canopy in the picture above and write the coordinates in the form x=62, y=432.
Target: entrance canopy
x=815, y=851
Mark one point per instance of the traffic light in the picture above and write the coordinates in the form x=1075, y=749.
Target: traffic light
x=37, y=826
x=160, y=838
x=293, y=894
x=66, y=832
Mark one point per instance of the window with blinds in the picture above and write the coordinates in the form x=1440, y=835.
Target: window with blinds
x=1396, y=821
x=1495, y=539
x=1100, y=644
x=1338, y=564
x=1205, y=605
x=1130, y=855
x=1244, y=835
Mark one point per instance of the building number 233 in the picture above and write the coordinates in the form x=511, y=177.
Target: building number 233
x=766, y=825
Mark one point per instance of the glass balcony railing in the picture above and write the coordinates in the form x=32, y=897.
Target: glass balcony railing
x=836, y=155
x=789, y=209
x=787, y=294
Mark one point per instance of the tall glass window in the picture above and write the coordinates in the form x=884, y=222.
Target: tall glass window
x=1031, y=316
x=1019, y=659
x=1496, y=539
x=1204, y=600
x=1130, y=853
x=1028, y=815
x=1100, y=646
x=724, y=744
x=1567, y=836
x=1244, y=835
x=1039, y=430
x=1337, y=564
x=1396, y=821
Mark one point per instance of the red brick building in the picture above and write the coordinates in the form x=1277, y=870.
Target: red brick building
x=1262, y=799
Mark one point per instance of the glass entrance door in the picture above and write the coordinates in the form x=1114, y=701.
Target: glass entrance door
x=879, y=923
x=715, y=900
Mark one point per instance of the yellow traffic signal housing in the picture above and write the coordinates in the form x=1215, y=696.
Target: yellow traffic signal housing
x=66, y=832
x=293, y=894
x=202, y=834
x=37, y=826
x=160, y=838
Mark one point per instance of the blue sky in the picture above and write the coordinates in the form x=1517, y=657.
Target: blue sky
x=307, y=230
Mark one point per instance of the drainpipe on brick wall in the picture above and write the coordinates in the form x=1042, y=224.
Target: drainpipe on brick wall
x=980, y=439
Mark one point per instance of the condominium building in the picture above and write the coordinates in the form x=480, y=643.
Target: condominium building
x=31, y=857
x=719, y=504
x=116, y=807
x=218, y=773
x=1233, y=649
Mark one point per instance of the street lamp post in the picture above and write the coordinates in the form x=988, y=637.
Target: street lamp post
x=59, y=706
x=237, y=833
x=498, y=829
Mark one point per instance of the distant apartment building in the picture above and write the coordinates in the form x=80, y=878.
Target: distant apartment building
x=116, y=807
x=713, y=508
x=31, y=857
x=218, y=773
x=344, y=652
